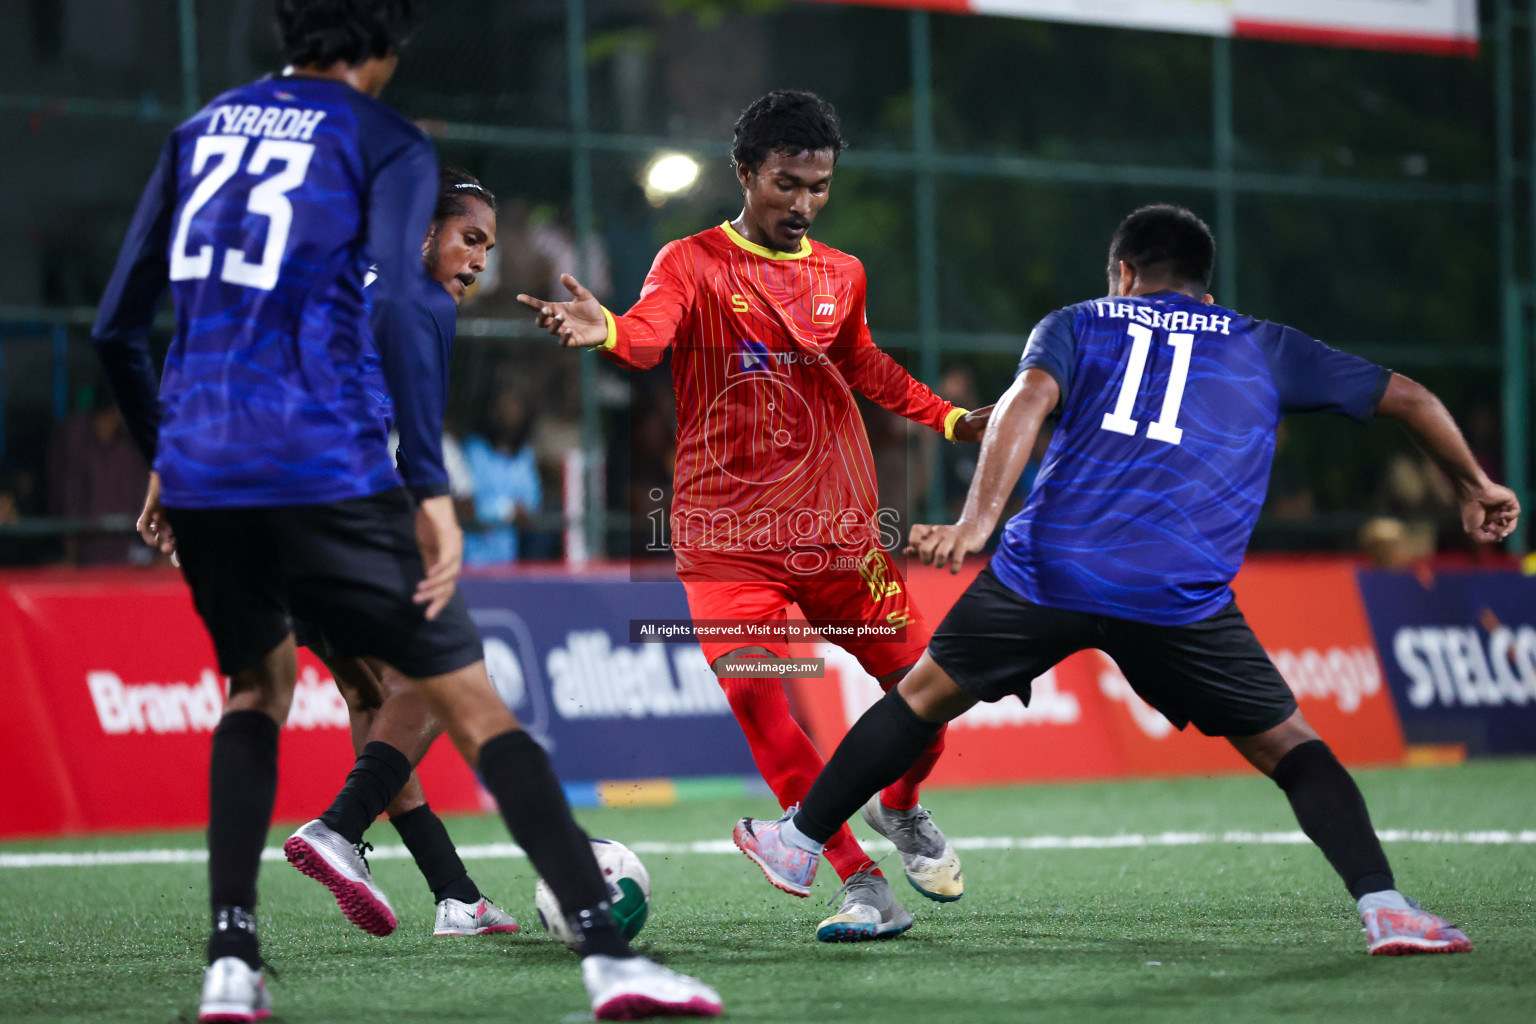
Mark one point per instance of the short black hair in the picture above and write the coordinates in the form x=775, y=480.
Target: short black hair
x=324, y=32
x=456, y=187
x=785, y=120
x=1167, y=242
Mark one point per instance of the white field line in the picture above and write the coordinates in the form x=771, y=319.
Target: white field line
x=504, y=851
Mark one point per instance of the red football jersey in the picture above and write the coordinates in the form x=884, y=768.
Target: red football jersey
x=768, y=349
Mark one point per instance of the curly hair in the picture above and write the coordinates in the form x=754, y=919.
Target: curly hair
x=321, y=33
x=785, y=120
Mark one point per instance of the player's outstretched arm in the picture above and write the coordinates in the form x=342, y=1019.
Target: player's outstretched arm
x=1011, y=431
x=1489, y=512
x=973, y=425
x=579, y=323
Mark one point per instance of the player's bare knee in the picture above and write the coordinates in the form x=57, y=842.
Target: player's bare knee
x=931, y=694
x=1266, y=749
x=357, y=683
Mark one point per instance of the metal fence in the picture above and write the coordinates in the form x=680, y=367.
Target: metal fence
x=1382, y=201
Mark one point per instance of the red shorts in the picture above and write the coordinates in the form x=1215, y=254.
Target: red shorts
x=837, y=601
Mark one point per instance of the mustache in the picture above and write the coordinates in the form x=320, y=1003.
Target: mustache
x=795, y=222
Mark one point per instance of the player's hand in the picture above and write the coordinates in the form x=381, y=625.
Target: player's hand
x=442, y=551
x=579, y=323
x=973, y=424
x=1490, y=513
x=152, y=525
x=945, y=545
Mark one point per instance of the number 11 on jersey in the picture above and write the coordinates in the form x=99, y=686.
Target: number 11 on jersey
x=1164, y=428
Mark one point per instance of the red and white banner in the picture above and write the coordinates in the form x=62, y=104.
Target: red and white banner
x=111, y=695
x=1447, y=27
x=1084, y=721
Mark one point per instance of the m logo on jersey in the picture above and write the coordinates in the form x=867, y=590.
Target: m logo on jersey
x=823, y=309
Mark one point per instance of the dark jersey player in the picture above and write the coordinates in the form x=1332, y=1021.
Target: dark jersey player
x=1135, y=527
x=391, y=724
x=272, y=473
x=775, y=483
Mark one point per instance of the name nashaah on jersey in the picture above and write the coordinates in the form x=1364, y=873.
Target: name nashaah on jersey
x=1168, y=319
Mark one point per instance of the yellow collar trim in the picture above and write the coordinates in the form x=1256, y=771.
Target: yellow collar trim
x=764, y=251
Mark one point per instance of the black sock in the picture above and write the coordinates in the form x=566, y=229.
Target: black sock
x=423, y=834
x=234, y=934
x=242, y=785
x=518, y=773
x=886, y=741
x=1332, y=813
x=379, y=775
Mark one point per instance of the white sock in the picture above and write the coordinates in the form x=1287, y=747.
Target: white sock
x=1386, y=899
x=799, y=840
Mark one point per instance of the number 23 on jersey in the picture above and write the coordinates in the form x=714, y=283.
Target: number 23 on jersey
x=268, y=199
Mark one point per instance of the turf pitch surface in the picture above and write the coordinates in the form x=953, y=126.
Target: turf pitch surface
x=1206, y=930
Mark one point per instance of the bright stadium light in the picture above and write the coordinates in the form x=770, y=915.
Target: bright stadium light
x=669, y=174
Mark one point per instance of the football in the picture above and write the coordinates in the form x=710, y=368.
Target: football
x=629, y=891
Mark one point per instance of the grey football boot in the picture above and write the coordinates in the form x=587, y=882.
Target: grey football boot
x=931, y=864
x=869, y=911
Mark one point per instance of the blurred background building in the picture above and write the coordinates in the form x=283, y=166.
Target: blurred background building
x=1379, y=200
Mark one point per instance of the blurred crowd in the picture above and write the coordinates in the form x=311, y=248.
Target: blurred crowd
x=513, y=445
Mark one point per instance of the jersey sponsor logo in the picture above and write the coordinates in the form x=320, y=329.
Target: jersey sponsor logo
x=1462, y=666
x=170, y=708
x=823, y=309
x=264, y=122
x=591, y=678
x=739, y=303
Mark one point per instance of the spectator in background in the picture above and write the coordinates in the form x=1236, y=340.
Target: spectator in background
x=957, y=462
x=506, y=491
x=95, y=470
x=555, y=242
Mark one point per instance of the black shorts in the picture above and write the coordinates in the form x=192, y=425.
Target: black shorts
x=1213, y=673
x=347, y=569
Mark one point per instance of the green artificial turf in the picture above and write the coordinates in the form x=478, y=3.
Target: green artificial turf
x=1230, y=933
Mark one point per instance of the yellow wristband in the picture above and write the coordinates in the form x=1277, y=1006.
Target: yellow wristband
x=954, y=417
x=613, y=333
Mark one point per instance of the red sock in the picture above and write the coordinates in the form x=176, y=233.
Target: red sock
x=901, y=795
x=785, y=756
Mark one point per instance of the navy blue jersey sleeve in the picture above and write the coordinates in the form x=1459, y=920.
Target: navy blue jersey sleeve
x=128, y=307
x=1052, y=347
x=1313, y=377
x=401, y=197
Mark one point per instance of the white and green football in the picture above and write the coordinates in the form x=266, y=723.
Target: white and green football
x=629, y=892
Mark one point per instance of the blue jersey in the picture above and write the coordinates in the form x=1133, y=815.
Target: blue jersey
x=1159, y=465
x=263, y=216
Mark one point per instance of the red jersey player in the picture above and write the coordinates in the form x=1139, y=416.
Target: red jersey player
x=775, y=498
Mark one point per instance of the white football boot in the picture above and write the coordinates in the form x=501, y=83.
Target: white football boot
x=634, y=988
x=329, y=859
x=234, y=992
x=479, y=918
x=931, y=864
